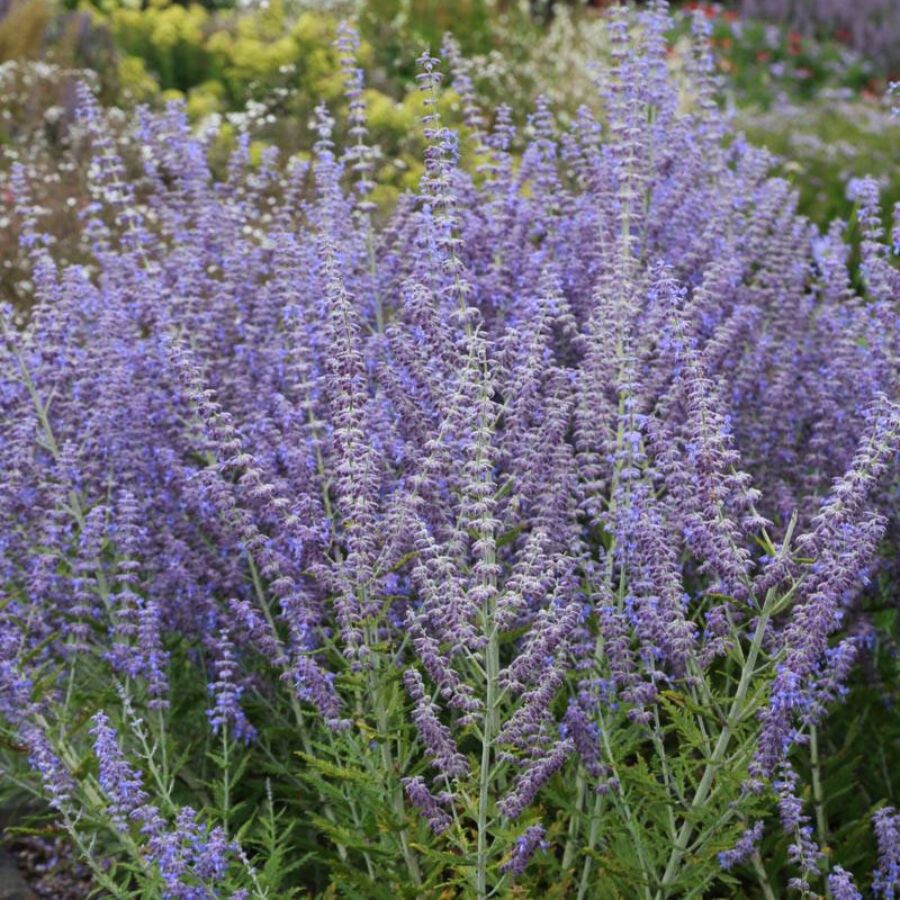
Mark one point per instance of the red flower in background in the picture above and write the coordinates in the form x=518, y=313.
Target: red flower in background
x=707, y=9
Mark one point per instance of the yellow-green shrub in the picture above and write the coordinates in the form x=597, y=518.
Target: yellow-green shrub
x=22, y=29
x=206, y=99
x=170, y=38
x=136, y=82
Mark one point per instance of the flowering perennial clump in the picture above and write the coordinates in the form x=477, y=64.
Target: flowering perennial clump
x=520, y=531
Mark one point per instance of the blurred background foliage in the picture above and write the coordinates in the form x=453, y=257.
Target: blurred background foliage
x=275, y=59
x=796, y=86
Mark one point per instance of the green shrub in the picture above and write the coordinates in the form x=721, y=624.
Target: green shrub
x=22, y=29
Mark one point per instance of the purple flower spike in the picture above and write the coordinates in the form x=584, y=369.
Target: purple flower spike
x=532, y=839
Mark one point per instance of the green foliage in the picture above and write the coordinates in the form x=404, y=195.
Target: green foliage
x=22, y=29
x=218, y=58
x=824, y=143
x=765, y=62
x=168, y=38
x=251, y=52
x=325, y=810
x=392, y=27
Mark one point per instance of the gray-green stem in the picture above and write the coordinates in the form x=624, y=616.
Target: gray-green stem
x=574, y=823
x=492, y=667
x=819, y=799
x=593, y=834
x=762, y=876
x=387, y=761
x=734, y=716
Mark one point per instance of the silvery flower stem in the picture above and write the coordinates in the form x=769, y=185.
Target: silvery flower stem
x=818, y=798
x=492, y=666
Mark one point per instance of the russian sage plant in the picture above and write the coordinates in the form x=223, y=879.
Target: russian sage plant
x=518, y=535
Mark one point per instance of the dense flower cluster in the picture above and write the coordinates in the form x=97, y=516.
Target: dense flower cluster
x=743, y=848
x=597, y=423
x=886, y=882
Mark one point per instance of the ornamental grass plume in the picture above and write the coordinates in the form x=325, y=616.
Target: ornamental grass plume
x=384, y=548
